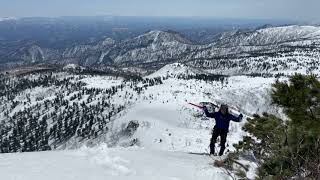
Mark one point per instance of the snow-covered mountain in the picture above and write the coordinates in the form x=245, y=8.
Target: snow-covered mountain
x=306, y=35
x=100, y=126
x=8, y=18
x=268, y=50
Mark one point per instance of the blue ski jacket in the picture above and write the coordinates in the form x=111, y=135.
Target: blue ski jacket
x=222, y=122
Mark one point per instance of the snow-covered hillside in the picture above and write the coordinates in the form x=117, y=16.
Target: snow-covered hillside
x=175, y=70
x=132, y=129
x=273, y=36
x=281, y=64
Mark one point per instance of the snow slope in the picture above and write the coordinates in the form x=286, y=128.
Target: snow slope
x=169, y=129
x=101, y=163
x=103, y=82
x=168, y=122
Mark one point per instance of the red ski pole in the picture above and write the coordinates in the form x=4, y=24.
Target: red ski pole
x=198, y=106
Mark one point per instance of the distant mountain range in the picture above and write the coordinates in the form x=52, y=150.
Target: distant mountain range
x=269, y=50
x=8, y=18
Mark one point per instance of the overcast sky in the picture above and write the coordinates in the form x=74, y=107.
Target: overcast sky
x=305, y=10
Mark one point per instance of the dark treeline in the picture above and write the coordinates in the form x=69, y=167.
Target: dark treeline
x=205, y=77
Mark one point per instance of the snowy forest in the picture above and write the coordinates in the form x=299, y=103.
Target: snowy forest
x=73, y=111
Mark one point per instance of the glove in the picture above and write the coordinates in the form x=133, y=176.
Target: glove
x=240, y=117
x=204, y=108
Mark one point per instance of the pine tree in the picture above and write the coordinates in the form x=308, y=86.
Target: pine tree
x=301, y=100
x=291, y=148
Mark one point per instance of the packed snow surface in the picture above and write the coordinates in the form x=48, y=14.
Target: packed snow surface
x=101, y=163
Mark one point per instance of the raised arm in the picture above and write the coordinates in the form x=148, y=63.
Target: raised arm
x=208, y=114
x=235, y=119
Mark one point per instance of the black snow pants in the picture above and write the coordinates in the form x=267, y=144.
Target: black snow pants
x=223, y=139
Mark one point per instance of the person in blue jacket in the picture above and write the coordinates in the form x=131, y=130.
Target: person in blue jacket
x=222, y=118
